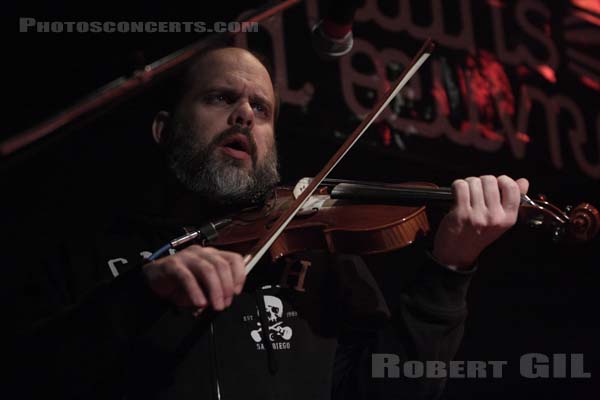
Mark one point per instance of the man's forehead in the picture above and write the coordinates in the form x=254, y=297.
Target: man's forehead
x=230, y=67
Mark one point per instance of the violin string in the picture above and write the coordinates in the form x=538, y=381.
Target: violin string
x=348, y=191
x=335, y=181
x=417, y=192
x=525, y=199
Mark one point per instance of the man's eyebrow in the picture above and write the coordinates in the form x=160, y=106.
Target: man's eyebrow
x=232, y=91
x=262, y=99
x=219, y=88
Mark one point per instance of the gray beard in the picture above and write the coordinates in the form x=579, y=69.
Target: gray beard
x=222, y=180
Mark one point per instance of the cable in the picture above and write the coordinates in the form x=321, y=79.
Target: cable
x=206, y=232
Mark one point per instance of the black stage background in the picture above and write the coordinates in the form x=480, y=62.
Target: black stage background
x=492, y=100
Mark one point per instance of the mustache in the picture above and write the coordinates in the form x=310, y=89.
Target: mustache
x=234, y=130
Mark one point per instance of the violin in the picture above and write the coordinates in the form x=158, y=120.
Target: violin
x=362, y=217
x=368, y=218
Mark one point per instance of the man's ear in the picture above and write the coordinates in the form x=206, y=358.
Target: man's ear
x=161, y=120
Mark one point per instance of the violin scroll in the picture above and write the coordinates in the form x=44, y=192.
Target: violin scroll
x=584, y=222
x=579, y=224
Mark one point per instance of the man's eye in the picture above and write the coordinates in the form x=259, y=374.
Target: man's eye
x=260, y=108
x=216, y=98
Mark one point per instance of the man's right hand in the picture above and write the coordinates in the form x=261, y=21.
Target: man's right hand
x=197, y=277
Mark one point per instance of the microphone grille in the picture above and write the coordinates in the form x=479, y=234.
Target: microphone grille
x=328, y=47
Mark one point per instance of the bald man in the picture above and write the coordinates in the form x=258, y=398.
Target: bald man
x=114, y=325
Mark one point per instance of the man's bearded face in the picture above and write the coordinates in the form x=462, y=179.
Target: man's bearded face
x=220, y=140
x=203, y=169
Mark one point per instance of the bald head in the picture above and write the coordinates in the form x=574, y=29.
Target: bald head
x=208, y=64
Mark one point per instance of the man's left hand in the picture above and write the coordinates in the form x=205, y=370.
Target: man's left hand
x=484, y=208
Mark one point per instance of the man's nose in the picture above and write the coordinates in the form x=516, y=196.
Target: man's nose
x=242, y=115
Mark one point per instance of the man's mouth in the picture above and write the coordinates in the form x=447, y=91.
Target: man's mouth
x=237, y=146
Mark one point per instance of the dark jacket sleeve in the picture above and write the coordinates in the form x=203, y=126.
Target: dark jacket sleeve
x=418, y=316
x=67, y=345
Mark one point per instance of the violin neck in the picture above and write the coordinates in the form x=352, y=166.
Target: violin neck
x=387, y=194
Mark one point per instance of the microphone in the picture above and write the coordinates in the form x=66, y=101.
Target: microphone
x=332, y=36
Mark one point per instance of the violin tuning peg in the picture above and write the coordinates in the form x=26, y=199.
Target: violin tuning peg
x=558, y=234
x=536, y=221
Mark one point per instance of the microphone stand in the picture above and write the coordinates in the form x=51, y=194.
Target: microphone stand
x=125, y=87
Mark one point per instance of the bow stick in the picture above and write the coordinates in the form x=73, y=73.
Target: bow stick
x=259, y=249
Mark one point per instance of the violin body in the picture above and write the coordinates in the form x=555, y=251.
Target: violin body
x=339, y=226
